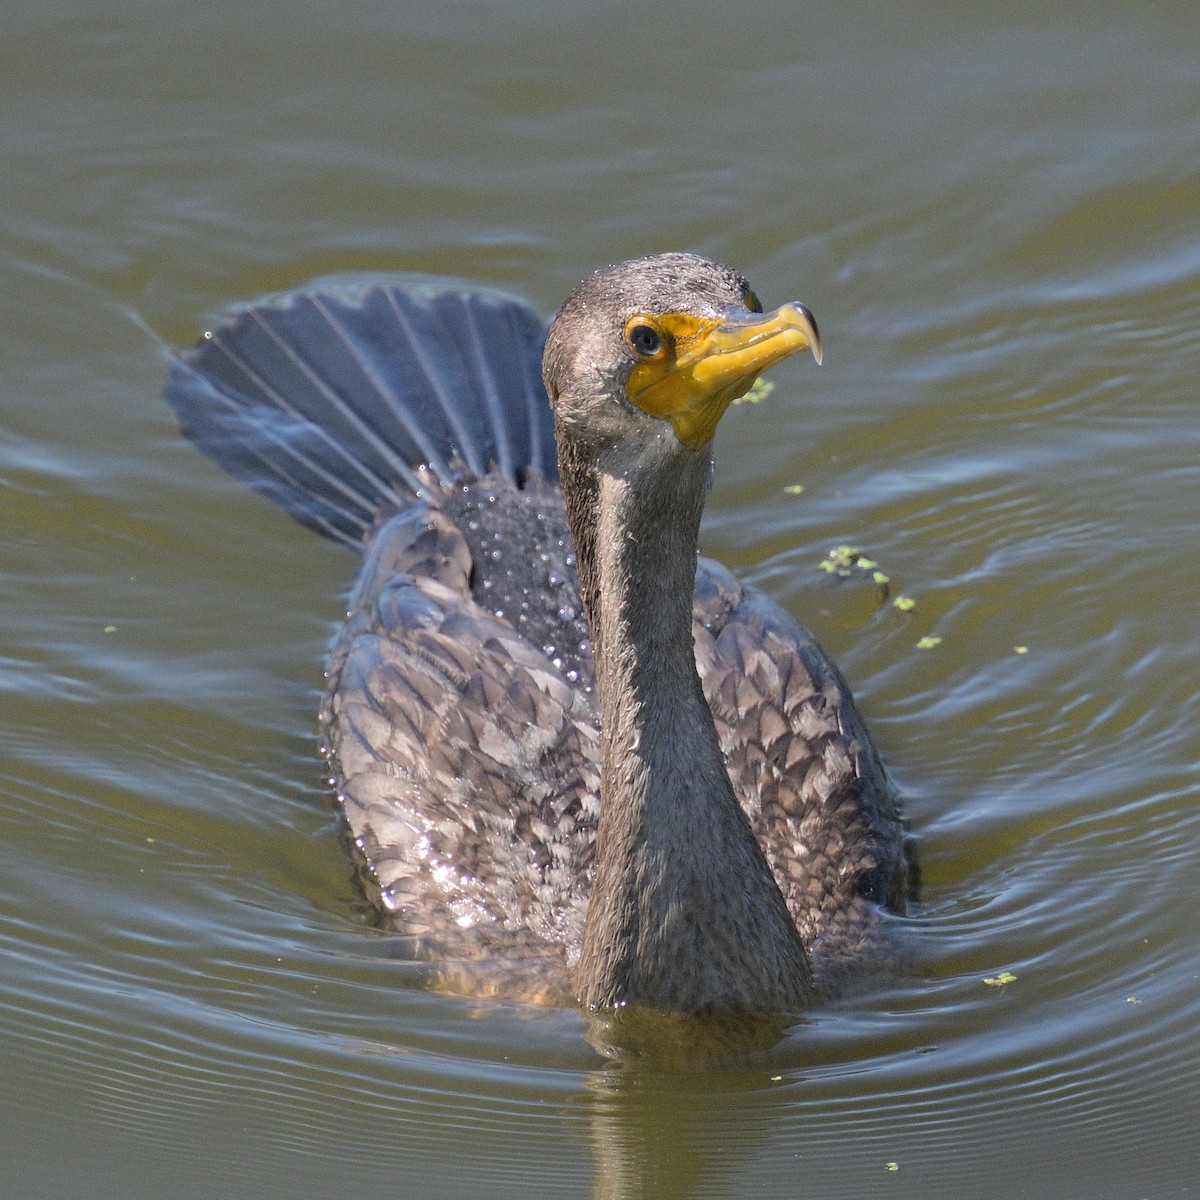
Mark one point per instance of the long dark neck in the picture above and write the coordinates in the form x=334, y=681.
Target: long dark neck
x=684, y=914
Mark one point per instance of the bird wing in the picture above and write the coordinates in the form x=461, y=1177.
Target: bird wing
x=465, y=762
x=801, y=764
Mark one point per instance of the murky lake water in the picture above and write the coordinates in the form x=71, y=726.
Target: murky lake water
x=994, y=215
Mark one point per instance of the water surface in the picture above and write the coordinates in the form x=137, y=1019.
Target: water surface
x=993, y=213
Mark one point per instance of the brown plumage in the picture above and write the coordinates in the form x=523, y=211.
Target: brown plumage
x=499, y=781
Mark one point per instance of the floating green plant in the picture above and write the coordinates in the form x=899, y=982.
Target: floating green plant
x=760, y=389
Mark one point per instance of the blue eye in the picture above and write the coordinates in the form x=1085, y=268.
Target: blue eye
x=644, y=340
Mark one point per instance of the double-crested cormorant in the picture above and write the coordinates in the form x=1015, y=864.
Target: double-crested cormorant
x=686, y=812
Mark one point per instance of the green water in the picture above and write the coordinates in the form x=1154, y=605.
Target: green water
x=993, y=213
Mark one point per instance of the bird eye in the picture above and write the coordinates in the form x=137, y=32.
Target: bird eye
x=751, y=300
x=644, y=339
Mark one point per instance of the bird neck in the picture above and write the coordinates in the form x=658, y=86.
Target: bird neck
x=685, y=914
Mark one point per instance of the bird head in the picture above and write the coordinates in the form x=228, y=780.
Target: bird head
x=664, y=341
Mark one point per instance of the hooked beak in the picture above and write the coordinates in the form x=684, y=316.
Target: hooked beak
x=705, y=363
